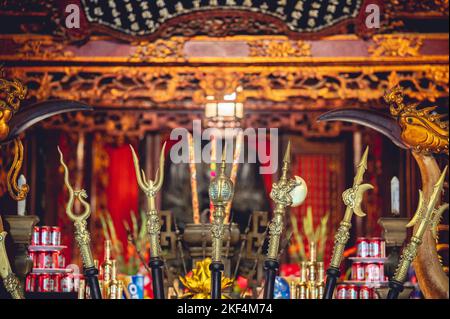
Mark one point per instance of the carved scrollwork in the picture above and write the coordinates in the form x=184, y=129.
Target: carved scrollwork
x=171, y=87
x=281, y=192
x=81, y=234
x=217, y=228
x=349, y=196
x=275, y=228
x=153, y=224
x=342, y=235
x=13, y=286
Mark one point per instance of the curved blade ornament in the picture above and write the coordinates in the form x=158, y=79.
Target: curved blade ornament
x=30, y=115
x=377, y=121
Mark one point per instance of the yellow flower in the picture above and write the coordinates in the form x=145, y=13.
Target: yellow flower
x=198, y=283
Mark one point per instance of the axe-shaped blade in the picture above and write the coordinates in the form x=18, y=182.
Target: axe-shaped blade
x=419, y=211
x=378, y=121
x=359, y=197
x=30, y=115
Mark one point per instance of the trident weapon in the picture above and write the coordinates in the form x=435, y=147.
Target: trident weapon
x=10, y=281
x=150, y=189
x=82, y=235
x=426, y=216
x=352, y=198
x=284, y=193
x=220, y=191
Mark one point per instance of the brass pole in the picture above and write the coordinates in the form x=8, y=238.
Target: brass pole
x=220, y=191
x=352, y=198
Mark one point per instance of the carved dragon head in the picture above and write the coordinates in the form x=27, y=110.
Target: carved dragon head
x=11, y=94
x=421, y=129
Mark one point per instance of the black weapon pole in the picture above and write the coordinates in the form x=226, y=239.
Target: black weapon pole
x=332, y=277
x=156, y=264
x=271, y=269
x=91, y=275
x=216, y=279
x=395, y=289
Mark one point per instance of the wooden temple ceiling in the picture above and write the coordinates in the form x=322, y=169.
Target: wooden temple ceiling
x=160, y=79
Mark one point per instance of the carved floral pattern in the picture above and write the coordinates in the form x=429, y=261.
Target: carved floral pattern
x=395, y=46
x=274, y=48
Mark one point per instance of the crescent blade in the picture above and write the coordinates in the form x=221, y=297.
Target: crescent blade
x=377, y=121
x=30, y=115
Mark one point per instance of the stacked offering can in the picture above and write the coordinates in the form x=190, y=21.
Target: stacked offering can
x=354, y=292
x=50, y=262
x=365, y=292
x=30, y=283
x=46, y=236
x=347, y=292
x=36, y=238
x=362, y=246
x=376, y=247
x=49, y=283
x=358, y=271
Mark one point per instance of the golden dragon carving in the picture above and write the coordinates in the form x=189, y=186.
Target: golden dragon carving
x=422, y=129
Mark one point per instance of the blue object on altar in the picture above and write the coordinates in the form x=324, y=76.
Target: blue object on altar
x=281, y=290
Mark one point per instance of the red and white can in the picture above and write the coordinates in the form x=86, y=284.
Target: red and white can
x=341, y=292
x=375, y=247
x=56, y=236
x=45, y=283
x=365, y=292
x=372, y=272
x=55, y=259
x=57, y=282
x=30, y=283
x=358, y=271
x=352, y=292
x=45, y=260
x=46, y=235
x=34, y=257
x=362, y=245
x=35, y=239
x=381, y=269
x=61, y=261
x=67, y=284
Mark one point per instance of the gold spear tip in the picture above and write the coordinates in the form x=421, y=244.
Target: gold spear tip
x=287, y=153
x=363, y=161
x=441, y=179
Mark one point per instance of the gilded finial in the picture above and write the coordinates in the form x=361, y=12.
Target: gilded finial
x=81, y=195
x=221, y=188
x=287, y=153
x=150, y=189
x=286, y=161
x=82, y=235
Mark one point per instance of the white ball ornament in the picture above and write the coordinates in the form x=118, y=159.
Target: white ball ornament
x=298, y=194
